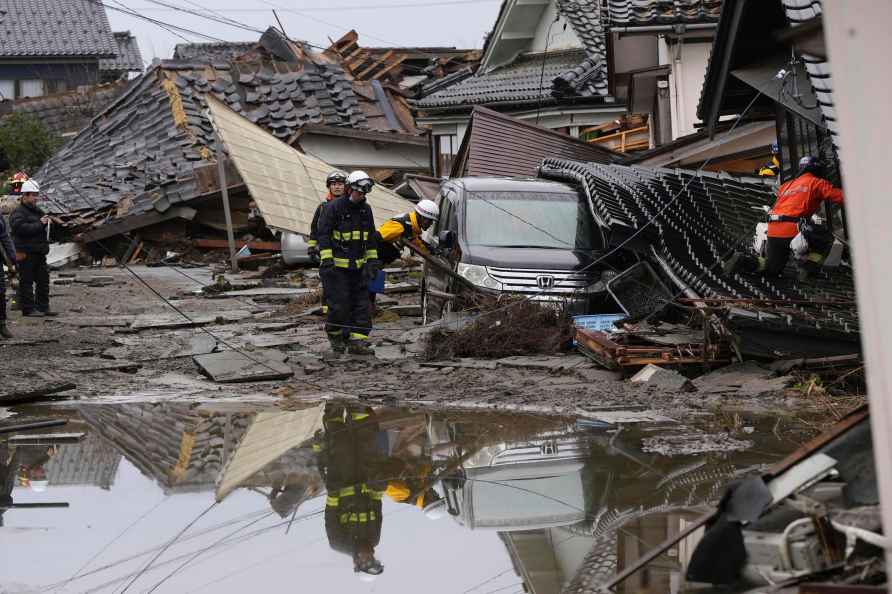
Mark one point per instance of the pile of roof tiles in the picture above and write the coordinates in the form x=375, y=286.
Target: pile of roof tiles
x=694, y=221
x=656, y=12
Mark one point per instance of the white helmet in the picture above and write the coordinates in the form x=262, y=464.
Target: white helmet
x=39, y=486
x=360, y=181
x=368, y=578
x=428, y=209
x=30, y=186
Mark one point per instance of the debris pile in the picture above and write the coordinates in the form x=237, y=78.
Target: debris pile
x=503, y=328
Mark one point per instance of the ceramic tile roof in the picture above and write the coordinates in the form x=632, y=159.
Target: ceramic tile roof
x=662, y=12
x=65, y=113
x=819, y=72
x=713, y=215
x=213, y=52
x=128, y=59
x=148, y=143
x=587, y=20
x=525, y=82
x=55, y=28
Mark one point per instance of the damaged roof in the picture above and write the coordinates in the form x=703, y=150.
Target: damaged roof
x=55, y=29
x=69, y=112
x=662, y=12
x=212, y=52
x=144, y=153
x=531, y=79
x=547, y=78
x=128, y=59
x=693, y=221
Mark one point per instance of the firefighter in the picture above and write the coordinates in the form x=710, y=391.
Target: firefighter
x=30, y=233
x=7, y=255
x=401, y=229
x=348, y=256
x=336, y=184
x=797, y=200
x=772, y=167
x=349, y=462
x=16, y=181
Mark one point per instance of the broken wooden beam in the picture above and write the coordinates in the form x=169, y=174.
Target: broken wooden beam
x=261, y=246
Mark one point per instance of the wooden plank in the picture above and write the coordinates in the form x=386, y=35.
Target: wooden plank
x=236, y=366
x=263, y=246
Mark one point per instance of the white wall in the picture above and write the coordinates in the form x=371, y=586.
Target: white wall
x=689, y=61
x=562, y=36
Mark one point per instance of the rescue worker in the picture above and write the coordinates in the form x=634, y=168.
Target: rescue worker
x=797, y=200
x=7, y=256
x=772, y=168
x=349, y=462
x=30, y=233
x=348, y=260
x=336, y=184
x=16, y=181
x=394, y=233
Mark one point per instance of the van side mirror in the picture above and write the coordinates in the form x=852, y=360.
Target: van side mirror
x=446, y=240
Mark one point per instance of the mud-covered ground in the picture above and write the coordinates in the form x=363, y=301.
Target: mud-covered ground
x=107, y=343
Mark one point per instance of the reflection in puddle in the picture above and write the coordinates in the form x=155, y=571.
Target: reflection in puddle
x=225, y=498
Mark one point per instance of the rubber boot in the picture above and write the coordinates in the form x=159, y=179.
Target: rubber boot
x=359, y=347
x=4, y=330
x=337, y=343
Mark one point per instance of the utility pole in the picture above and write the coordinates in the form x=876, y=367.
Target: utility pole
x=859, y=47
x=224, y=190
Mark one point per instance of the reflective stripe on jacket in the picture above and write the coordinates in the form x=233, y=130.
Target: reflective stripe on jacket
x=801, y=198
x=346, y=234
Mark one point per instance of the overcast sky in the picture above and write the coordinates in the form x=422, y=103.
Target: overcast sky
x=459, y=23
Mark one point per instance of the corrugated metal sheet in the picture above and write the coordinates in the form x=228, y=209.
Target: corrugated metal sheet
x=286, y=184
x=500, y=145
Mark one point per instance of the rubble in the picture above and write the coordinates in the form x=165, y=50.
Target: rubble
x=655, y=376
x=234, y=366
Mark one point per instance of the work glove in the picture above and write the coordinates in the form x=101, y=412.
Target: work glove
x=326, y=264
x=313, y=253
x=371, y=270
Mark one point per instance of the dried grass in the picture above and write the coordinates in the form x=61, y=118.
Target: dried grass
x=505, y=328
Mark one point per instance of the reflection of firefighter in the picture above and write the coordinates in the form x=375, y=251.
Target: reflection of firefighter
x=349, y=463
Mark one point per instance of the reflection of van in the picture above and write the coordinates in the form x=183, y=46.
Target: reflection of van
x=507, y=487
x=523, y=236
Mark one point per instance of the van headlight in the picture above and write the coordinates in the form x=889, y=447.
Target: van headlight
x=478, y=275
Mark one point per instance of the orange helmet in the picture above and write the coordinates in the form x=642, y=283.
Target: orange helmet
x=17, y=180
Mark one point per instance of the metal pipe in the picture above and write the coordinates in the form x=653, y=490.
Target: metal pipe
x=680, y=29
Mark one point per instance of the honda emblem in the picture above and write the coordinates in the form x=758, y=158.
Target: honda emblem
x=545, y=281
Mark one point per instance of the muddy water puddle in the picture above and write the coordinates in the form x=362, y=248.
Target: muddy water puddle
x=178, y=497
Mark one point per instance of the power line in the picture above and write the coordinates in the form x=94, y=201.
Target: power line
x=360, y=7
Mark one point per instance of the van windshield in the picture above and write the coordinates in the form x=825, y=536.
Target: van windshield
x=530, y=219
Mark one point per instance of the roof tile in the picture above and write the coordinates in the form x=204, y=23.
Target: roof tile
x=55, y=28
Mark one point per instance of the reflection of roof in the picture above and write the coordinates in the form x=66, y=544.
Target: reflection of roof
x=53, y=28
x=662, y=12
x=129, y=59
x=184, y=448
x=523, y=82
x=91, y=461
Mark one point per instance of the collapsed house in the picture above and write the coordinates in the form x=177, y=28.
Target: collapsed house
x=148, y=161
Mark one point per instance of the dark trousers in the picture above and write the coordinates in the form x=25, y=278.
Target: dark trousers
x=2, y=295
x=777, y=252
x=33, y=272
x=347, y=294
